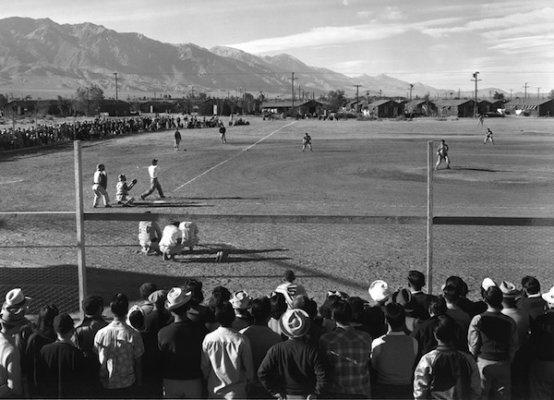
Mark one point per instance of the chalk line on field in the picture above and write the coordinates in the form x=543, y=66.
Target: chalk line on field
x=8, y=182
x=230, y=158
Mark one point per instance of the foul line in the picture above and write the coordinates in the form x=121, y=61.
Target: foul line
x=232, y=158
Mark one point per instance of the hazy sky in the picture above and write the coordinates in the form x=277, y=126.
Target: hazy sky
x=437, y=42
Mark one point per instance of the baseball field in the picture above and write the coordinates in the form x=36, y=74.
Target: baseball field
x=356, y=168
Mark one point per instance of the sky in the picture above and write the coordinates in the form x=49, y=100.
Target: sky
x=440, y=43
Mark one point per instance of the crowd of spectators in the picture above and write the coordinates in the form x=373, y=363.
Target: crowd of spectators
x=395, y=344
x=99, y=128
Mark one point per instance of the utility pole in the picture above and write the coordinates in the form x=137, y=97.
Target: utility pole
x=525, y=87
x=357, y=96
x=115, y=76
x=475, y=79
x=538, y=93
x=292, y=79
x=411, y=88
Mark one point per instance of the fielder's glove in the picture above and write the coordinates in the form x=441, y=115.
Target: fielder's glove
x=134, y=181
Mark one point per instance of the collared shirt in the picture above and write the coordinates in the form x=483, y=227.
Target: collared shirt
x=347, y=351
x=393, y=356
x=442, y=373
x=171, y=235
x=153, y=171
x=118, y=346
x=227, y=363
x=10, y=368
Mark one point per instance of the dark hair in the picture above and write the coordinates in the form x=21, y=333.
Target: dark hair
x=437, y=306
x=220, y=294
x=493, y=297
x=195, y=287
x=136, y=320
x=306, y=304
x=278, y=305
x=342, y=312
x=445, y=330
x=93, y=305
x=224, y=314
x=45, y=319
x=358, y=307
x=175, y=223
x=261, y=310
x=146, y=289
x=395, y=315
x=120, y=305
x=416, y=279
x=325, y=308
x=289, y=275
x=451, y=293
x=531, y=284
x=458, y=283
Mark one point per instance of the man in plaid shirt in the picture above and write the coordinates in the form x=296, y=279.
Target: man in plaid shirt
x=347, y=351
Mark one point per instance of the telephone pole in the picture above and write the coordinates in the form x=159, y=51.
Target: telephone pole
x=525, y=87
x=475, y=79
x=115, y=76
x=292, y=86
x=357, y=96
x=538, y=93
x=411, y=88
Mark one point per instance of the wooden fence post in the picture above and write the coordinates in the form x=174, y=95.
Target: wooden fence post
x=79, y=219
x=430, y=154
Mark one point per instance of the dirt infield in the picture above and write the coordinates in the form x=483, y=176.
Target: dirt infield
x=357, y=167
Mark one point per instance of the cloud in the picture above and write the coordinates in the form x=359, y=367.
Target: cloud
x=364, y=14
x=392, y=13
x=345, y=3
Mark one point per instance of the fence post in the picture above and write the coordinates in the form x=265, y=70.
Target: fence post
x=430, y=216
x=79, y=219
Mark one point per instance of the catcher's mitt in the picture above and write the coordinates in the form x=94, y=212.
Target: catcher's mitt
x=134, y=181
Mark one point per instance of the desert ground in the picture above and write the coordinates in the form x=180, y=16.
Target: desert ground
x=356, y=168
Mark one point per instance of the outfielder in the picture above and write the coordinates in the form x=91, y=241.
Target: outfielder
x=99, y=185
x=306, y=142
x=488, y=136
x=442, y=153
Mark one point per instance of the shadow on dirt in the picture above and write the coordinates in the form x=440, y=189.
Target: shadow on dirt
x=462, y=168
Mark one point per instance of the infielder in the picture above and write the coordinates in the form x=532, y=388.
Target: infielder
x=177, y=139
x=488, y=136
x=99, y=185
x=442, y=153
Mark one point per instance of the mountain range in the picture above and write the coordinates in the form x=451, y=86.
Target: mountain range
x=43, y=58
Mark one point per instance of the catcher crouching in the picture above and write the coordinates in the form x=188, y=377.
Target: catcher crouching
x=122, y=191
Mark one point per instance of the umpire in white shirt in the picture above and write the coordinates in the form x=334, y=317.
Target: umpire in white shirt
x=99, y=185
x=154, y=183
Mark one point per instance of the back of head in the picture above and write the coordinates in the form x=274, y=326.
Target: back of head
x=93, y=305
x=63, y=324
x=451, y=293
x=445, y=330
x=416, y=279
x=458, y=283
x=261, y=310
x=146, y=289
x=531, y=285
x=278, y=305
x=358, y=306
x=493, y=296
x=306, y=304
x=220, y=294
x=325, y=308
x=46, y=317
x=224, y=314
x=395, y=316
x=120, y=305
x=437, y=306
x=342, y=312
x=195, y=287
x=289, y=275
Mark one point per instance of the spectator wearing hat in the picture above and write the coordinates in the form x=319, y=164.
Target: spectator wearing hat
x=492, y=339
x=278, y=308
x=180, y=345
x=414, y=314
x=197, y=312
x=43, y=334
x=100, y=185
x=416, y=282
x=542, y=345
x=154, y=182
x=170, y=243
x=446, y=372
x=333, y=296
x=379, y=293
x=451, y=295
x=119, y=348
x=159, y=316
x=226, y=357
x=531, y=301
x=293, y=368
x=347, y=351
x=261, y=339
x=241, y=302
x=289, y=288
x=62, y=369
x=11, y=384
x=393, y=357
x=425, y=332
x=308, y=305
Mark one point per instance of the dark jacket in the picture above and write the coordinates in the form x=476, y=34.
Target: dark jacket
x=426, y=340
x=293, y=367
x=542, y=336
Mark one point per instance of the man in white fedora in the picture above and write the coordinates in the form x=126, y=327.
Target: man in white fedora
x=11, y=384
x=542, y=342
x=379, y=294
x=180, y=345
x=293, y=369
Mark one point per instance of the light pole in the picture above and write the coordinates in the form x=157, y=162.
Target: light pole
x=115, y=76
x=475, y=79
